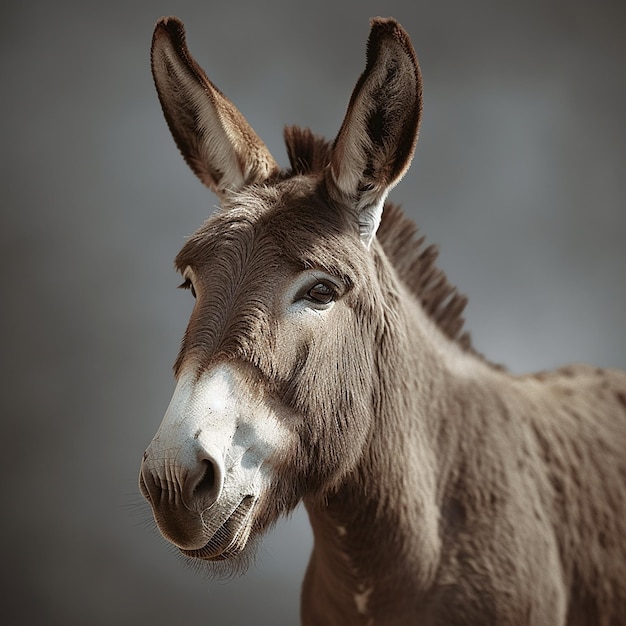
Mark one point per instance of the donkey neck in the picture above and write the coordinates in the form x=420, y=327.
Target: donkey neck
x=377, y=538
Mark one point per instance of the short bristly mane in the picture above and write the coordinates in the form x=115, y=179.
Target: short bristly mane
x=413, y=261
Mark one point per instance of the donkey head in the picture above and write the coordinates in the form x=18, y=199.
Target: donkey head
x=277, y=377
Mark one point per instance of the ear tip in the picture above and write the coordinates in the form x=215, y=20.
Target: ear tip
x=168, y=22
x=169, y=33
x=381, y=26
x=169, y=26
x=389, y=28
x=384, y=22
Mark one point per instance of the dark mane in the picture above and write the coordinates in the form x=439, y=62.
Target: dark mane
x=398, y=235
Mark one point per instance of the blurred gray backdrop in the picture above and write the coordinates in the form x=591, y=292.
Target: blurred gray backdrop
x=519, y=175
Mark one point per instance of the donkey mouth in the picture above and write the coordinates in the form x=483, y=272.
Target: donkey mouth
x=230, y=538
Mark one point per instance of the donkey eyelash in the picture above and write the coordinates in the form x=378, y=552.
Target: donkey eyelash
x=187, y=284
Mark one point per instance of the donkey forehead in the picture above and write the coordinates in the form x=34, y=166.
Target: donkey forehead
x=289, y=224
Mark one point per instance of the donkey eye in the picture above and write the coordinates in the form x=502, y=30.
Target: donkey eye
x=322, y=293
x=188, y=285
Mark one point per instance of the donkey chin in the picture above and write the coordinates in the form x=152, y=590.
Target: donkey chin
x=206, y=490
x=218, y=533
x=231, y=537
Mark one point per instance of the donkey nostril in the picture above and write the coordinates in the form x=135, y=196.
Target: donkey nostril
x=207, y=483
x=203, y=486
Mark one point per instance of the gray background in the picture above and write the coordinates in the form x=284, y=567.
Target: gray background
x=519, y=175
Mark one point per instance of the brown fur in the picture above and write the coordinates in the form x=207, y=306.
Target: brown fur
x=440, y=489
x=414, y=264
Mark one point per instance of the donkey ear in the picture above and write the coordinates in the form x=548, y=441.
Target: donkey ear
x=377, y=139
x=215, y=139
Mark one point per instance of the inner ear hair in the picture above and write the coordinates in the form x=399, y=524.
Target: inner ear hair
x=377, y=138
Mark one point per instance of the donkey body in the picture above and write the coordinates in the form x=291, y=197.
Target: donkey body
x=324, y=362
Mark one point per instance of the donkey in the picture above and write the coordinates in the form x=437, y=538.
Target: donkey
x=325, y=362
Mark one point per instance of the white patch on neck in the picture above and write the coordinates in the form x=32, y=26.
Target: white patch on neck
x=361, y=599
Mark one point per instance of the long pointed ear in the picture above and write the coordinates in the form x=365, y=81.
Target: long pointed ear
x=215, y=139
x=377, y=139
